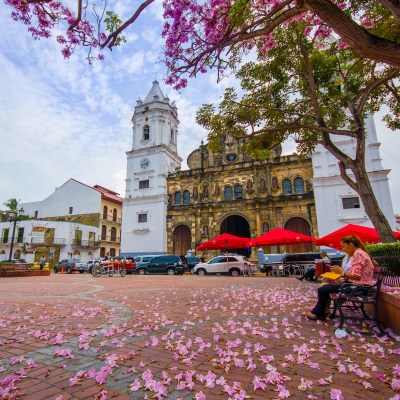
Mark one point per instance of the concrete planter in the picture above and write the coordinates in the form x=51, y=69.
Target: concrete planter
x=389, y=310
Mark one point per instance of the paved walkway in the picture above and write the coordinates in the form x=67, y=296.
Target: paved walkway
x=181, y=337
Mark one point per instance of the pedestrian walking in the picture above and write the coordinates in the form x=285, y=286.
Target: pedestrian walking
x=42, y=261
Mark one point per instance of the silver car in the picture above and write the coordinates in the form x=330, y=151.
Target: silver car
x=233, y=265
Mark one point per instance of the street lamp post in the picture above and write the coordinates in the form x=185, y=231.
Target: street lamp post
x=15, y=219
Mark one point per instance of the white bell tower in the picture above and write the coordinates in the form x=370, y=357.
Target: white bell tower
x=152, y=157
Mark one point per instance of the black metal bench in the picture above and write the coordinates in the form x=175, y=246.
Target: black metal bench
x=354, y=298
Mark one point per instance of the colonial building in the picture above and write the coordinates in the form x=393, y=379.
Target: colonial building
x=229, y=192
x=76, y=220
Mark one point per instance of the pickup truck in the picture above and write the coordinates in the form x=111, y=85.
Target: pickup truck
x=71, y=264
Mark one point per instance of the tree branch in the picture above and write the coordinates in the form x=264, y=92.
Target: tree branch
x=78, y=18
x=367, y=91
x=393, y=6
x=112, y=37
x=362, y=43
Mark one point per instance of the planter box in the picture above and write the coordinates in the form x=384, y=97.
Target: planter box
x=389, y=310
x=13, y=273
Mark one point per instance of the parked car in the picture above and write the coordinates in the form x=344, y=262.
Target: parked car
x=142, y=260
x=71, y=264
x=20, y=263
x=170, y=264
x=289, y=260
x=193, y=261
x=233, y=265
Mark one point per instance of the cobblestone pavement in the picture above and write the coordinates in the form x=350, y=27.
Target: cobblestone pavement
x=182, y=337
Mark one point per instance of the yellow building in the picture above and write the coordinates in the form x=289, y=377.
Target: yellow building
x=229, y=192
x=110, y=222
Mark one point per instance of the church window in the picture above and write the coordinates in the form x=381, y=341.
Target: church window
x=287, y=186
x=238, y=192
x=228, y=193
x=351, y=202
x=142, y=217
x=262, y=184
x=275, y=183
x=265, y=228
x=145, y=184
x=186, y=197
x=177, y=198
x=299, y=185
x=146, y=132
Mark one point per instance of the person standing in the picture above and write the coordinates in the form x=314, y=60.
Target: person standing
x=42, y=261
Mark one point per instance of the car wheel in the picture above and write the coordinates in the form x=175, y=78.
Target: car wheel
x=170, y=271
x=69, y=270
x=201, y=272
x=81, y=272
x=122, y=271
x=268, y=273
x=142, y=271
x=234, y=272
x=55, y=270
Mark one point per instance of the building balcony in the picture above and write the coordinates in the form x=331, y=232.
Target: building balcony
x=110, y=239
x=40, y=241
x=7, y=240
x=110, y=219
x=86, y=243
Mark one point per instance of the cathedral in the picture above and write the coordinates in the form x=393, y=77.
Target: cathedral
x=168, y=210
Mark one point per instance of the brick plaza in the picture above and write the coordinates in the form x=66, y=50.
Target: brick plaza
x=181, y=337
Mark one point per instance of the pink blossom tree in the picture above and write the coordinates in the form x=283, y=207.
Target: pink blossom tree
x=215, y=33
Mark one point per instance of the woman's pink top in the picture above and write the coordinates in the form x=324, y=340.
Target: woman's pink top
x=361, y=265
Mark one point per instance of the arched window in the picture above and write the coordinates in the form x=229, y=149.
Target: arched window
x=228, y=193
x=113, y=234
x=238, y=192
x=186, y=197
x=262, y=184
x=265, y=227
x=103, y=232
x=102, y=251
x=146, y=132
x=114, y=214
x=287, y=186
x=177, y=198
x=299, y=185
x=275, y=183
x=105, y=212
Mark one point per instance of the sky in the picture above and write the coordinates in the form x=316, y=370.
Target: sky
x=61, y=119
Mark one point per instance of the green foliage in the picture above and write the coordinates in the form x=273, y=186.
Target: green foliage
x=278, y=100
x=11, y=204
x=113, y=22
x=239, y=12
x=388, y=254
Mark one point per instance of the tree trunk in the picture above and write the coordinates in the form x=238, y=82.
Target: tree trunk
x=371, y=205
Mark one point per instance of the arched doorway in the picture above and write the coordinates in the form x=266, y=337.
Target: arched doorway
x=238, y=226
x=300, y=225
x=182, y=239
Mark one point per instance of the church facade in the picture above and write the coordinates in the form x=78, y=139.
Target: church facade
x=227, y=191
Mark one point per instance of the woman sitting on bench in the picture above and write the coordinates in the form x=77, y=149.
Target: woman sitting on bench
x=361, y=272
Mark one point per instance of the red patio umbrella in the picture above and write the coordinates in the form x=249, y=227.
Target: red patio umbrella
x=224, y=242
x=365, y=233
x=279, y=236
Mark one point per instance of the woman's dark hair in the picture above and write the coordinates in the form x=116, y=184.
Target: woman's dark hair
x=357, y=243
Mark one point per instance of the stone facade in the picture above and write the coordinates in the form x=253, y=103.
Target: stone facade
x=228, y=191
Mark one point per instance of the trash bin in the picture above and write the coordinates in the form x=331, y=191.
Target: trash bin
x=319, y=268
